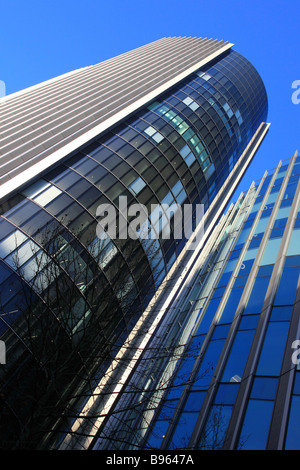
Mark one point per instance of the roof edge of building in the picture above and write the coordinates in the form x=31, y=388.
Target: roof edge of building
x=37, y=169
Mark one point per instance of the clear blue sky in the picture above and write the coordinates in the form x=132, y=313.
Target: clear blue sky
x=40, y=40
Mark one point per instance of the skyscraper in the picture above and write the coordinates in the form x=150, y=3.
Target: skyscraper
x=176, y=121
x=236, y=380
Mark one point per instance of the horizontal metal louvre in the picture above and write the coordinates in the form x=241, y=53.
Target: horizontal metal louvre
x=44, y=118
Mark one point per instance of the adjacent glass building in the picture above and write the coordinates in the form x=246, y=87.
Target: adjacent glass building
x=69, y=298
x=231, y=378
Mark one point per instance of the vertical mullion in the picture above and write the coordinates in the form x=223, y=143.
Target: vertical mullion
x=246, y=384
x=231, y=335
x=281, y=406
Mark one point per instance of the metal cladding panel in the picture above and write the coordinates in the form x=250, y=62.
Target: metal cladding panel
x=57, y=116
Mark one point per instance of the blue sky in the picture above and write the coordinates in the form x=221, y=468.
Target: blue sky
x=40, y=40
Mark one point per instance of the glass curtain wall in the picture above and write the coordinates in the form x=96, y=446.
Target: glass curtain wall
x=234, y=384
x=69, y=298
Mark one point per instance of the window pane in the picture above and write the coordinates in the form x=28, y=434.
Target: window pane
x=264, y=387
x=273, y=347
x=137, y=186
x=231, y=305
x=287, y=287
x=238, y=356
x=294, y=245
x=157, y=434
x=215, y=429
x=293, y=431
x=195, y=401
x=183, y=430
x=208, y=365
x=271, y=250
x=257, y=296
x=226, y=394
x=35, y=188
x=47, y=196
x=254, y=437
x=22, y=214
x=208, y=316
x=281, y=313
x=11, y=242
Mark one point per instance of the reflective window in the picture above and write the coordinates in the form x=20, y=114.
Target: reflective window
x=239, y=117
x=35, y=188
x=226, y=394
x=204, y=75
x=271, y=251
x=154, y=134
x=10, y=243
x=273, y=349
x=157, y=434
x=290, y=190
x=208, y=365
x=257, y=296
x=191, y=103
x=137, y=186
x=231, y=305
x=254, y=437
x=175, y=150
x=294, y=244
x=23, y=212
x=238, y=356
x=286, y=291
x=195, y=400
x=214, y=433
x=182, y=434
x=188, y=155
x=264, y=388
x=47, y=196
x=208, y=315
x=292, y=438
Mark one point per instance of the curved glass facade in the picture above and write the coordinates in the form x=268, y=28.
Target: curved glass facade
x=69, y=298
x=236, y=384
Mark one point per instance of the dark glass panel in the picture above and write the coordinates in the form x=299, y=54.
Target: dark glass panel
x=292, y=441
x=286, y=291
x=273, y=349
x=226, y=394
x=254, y=437
x=238, y=356
x=257, y=296
x=264, y=388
